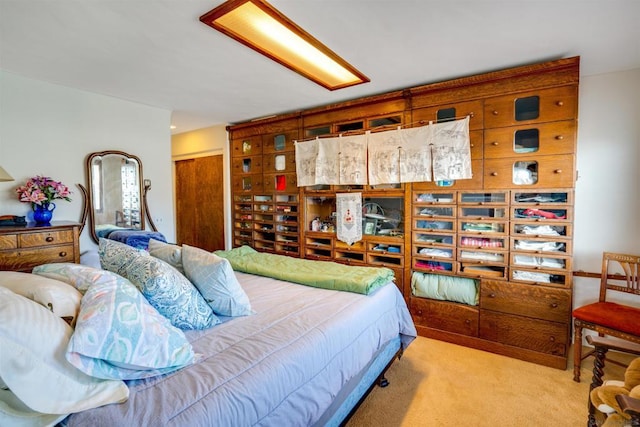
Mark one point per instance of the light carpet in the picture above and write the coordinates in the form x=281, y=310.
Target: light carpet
x=437, y=384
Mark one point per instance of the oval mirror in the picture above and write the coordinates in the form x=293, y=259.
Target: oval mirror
x=115, y=197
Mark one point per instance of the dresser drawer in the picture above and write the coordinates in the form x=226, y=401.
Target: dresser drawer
x=9, y=241
x=530, y=172
x=28, y=258
x=444, y=315
x=539, y=140
x=249, y=146
x=523, y=332
x=245, y=165
x=539, y=106
x=30, y=240
x=526, y=300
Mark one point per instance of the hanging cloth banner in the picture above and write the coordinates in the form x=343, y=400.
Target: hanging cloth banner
x=306, y=155
x=415, y=155
x=349, y=217
x=384, y=157
x=328, y=161
x=353, y=160
x=451, y=150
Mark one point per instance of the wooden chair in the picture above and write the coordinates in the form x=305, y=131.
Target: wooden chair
x=619, y=274
x=628, y=404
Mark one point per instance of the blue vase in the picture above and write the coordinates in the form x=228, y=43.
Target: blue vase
x=43, y=213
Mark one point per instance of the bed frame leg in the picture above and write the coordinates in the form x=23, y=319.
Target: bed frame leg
x=382, y=381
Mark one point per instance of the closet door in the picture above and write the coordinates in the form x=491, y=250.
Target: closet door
x=199, y=202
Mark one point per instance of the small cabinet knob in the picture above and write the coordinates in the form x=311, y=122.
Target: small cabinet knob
x=560, y=103
x=559, y=137
x=62, y=254
x=492, y=295
x=553, y=305
x=552, y=339
x=494, y=173
x=494, y=112
x=557, y=171
x=494, y=143
x=467, y=321
x=49, y=239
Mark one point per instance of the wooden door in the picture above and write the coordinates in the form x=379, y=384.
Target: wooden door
x=199, y=202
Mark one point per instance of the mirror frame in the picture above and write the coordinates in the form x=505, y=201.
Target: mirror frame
x=88, y=209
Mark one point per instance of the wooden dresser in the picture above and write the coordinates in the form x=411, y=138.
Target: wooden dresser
x=22, y=248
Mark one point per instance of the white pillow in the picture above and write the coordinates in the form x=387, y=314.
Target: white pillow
x=33, y=364
x=63, y=300
x=168, y=253
x=216, y=281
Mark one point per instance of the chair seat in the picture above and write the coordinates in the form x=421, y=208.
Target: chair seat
x=611, y=315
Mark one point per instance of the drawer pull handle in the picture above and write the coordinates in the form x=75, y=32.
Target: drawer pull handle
x=62, y=254
x=494, y=173
x=560, y=103
x=494, y=112
x=559, y=137
x=492, y=295
x=49, y=239
x=553, y=305
x=495, y=143
x=557, y=171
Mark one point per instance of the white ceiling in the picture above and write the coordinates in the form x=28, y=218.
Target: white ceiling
x=157, y=52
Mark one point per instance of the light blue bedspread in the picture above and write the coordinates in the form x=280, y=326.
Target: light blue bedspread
x=282, y=366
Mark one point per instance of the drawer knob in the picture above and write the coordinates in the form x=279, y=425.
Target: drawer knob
x=557, y=171
x=494, y=173
x=559, y=137
x=472, y=114
x=560, y=103
x=553, y=305
x=495, y=143
x=494, y=112
x=62, y=254
x=467, y=321
x=49, y=239
x=552, y=339
x=492, y=295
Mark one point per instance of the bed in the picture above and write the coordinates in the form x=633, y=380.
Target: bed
x=303, y=356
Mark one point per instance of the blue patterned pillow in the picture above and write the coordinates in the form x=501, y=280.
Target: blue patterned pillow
x=121, y=336
x=216, y=281
x=163, y=286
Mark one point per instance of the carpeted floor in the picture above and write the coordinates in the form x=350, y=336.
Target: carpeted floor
x=437, y=384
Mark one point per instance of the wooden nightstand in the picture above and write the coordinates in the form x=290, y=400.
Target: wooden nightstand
x=22, y=248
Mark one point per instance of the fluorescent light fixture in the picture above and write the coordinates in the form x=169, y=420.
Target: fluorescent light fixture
x=4, y=176
x=258, y=25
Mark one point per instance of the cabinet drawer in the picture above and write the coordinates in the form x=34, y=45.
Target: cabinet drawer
x=245, y=165
x=30, y=240
x=444, y=315
x=248, y=183
x=280, y=162
x=531, y=107
x=9, y=241
x=459, y=184
x=285, y=182
x=279, y=142
x=548, y=277
x=532, y=172
x=459, y=110
x=541, y=139
x=29, y=258
x=532, y=301
x=523, y=332
x=249, y=146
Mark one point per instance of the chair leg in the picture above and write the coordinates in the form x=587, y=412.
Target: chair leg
x=596, y=381
x=577, y=349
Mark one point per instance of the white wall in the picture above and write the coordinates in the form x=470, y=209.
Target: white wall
x=607, y=205
x=209, y=141
x=49, y=129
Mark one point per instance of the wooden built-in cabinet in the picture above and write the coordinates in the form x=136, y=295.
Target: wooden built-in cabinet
x=24, y=247
x=509, y=228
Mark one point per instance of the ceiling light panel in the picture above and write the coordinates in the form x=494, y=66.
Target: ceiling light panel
x=260, y=26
